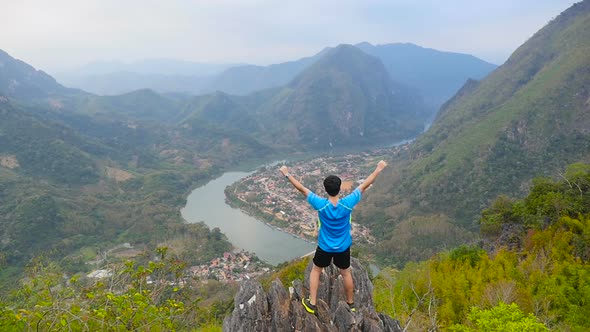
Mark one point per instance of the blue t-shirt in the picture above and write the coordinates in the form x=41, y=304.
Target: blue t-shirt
x=334, y=221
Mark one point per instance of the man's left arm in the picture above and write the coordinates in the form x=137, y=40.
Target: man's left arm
x=294, y=182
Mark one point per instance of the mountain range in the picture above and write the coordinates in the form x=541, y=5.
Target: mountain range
x=436, y=75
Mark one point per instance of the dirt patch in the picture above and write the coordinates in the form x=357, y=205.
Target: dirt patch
x=118, y=175
x=9, y=161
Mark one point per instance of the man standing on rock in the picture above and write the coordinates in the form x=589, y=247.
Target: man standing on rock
x=334, y=238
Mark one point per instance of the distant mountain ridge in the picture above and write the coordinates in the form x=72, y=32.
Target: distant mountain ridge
x=162, y=75
x=436, y=74
x=345, y=98
x=243, y=80
x=530, y=117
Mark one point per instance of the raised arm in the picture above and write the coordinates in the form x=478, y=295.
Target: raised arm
x=371, y=178
x=294, y=181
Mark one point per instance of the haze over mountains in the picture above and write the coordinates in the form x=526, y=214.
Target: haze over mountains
x=435, y=74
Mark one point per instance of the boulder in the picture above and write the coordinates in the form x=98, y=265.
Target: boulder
x=281, y=308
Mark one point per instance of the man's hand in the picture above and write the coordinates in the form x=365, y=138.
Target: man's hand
x=284, y=169
x=371, y=178
x=294, y=182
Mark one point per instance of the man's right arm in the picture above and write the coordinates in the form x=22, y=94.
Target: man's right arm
x=294, y=181
x=371, y=178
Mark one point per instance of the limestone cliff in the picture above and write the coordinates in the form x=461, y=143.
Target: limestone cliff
x=281, y=309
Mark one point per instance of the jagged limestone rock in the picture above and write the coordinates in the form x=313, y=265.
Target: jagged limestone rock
x=281, y=308
x=251, y=311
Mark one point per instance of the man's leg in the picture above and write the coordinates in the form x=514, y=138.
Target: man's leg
x=321, y=259
x=348, y=284
x=342, y=261
x=314, y=283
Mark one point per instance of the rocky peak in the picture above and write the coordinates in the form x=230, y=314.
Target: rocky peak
x=281, y=310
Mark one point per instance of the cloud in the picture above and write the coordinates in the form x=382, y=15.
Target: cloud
x=62, y=33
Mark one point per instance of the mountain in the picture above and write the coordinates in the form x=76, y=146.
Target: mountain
x=243, y=80
x=20, y=80
x=530, y=117
x=345, y=99
x=436, y=74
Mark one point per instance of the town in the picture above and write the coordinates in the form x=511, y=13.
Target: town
x=237, y=265
x=234, y=266
x=266, y=194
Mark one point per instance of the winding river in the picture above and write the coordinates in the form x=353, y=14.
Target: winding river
x=207, y=204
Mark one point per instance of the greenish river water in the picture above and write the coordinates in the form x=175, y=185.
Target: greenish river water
x=207, y=204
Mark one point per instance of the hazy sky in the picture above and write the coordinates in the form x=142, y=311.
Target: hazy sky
x=60, y=34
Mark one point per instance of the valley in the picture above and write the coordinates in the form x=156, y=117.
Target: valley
x=129, y=201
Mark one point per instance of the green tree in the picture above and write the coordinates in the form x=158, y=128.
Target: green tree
x=501, y=318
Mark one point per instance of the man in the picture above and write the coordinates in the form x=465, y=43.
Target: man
x=334, y=238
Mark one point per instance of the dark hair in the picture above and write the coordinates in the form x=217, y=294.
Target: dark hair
x=332, y=185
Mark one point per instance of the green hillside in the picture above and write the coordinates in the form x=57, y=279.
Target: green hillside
x=145, y=105
x=530, y=116
x=47, y=151
x=537, y=260
x=67, y=195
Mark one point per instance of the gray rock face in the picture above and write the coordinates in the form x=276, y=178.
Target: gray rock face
x=281, y=309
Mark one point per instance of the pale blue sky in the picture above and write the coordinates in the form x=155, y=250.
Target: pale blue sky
x=60, y=34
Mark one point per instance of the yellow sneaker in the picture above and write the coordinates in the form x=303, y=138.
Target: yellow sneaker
x=352, y=307
x=308, y=306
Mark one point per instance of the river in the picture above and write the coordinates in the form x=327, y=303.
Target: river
x=207, y=204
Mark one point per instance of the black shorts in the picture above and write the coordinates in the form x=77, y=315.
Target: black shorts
x=323, y=258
